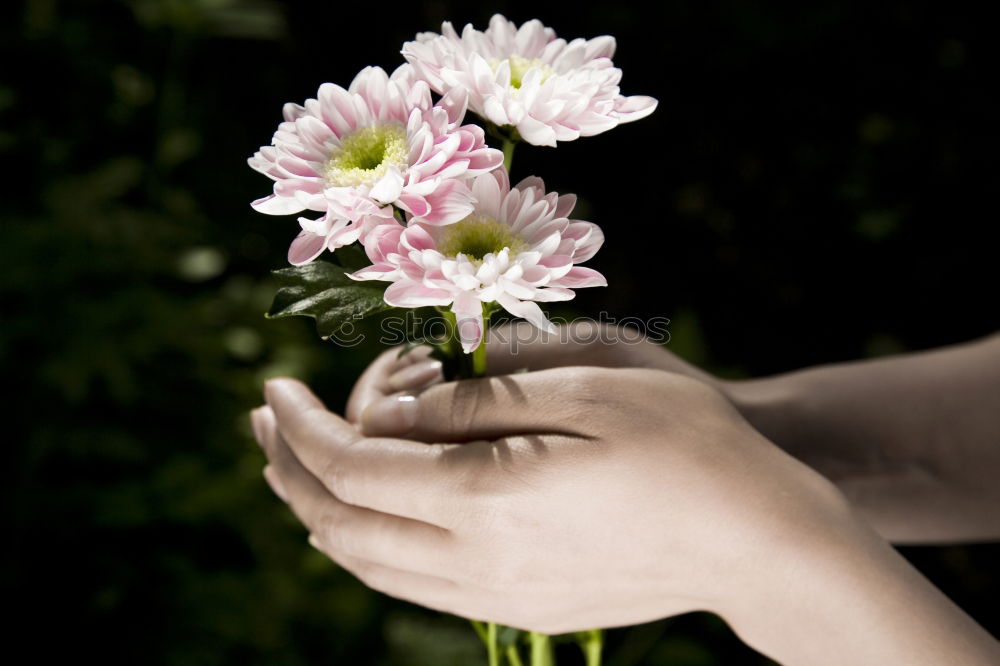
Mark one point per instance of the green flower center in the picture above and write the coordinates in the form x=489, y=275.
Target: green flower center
x=366, y=154
x=476, y=236
x=519, y=67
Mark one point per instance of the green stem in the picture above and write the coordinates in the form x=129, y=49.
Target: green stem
x=467, y=366
x=492, y=646
x=450, y=346
x=592, y=645
x=541, y=650
x=508, y=153
x=513, y=656
x=479, y=359
x=480, y=630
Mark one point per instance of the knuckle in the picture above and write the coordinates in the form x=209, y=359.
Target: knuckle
x=460, y=403
x=333, y=530
x=337, y=479
x=304, y=425
x=585, y=385
x=362, y=570
x=376, y=577
x=472, y=484
x=358, y=568
x=698, y=390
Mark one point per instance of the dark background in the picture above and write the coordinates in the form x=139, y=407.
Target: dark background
x=818, y=184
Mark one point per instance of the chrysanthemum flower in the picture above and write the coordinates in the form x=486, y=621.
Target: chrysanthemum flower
x=382, y=141
x=517, y=248
x=550, y=90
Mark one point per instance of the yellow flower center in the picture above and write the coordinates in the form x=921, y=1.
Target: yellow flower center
x=366, y=154
x=519, y=67
x=476, y=236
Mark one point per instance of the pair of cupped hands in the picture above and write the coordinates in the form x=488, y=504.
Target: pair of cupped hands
x=609, y=484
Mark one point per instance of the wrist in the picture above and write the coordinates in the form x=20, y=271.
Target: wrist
x=780, y=607
x=835, y=593
x=772, y=405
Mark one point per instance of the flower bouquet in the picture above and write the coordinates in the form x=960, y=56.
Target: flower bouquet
x=389, y=163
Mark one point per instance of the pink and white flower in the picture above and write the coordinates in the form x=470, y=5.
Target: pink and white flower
x=380, y=142
x=517, y=248
x=549, y=89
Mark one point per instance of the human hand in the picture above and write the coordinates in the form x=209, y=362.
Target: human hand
x=589, y=497
x=873, y=428
x=520, y=346
x=599, y=497
x=580, y=497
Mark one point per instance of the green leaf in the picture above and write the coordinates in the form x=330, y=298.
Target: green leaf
x=351, y=257
x=322, y=291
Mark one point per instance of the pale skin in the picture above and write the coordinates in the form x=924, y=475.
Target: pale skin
x=614, y=484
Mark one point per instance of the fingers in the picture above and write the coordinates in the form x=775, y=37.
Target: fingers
x=347, y=531
x=462, y=598
x=435, y=484
x=405, y=559
x=375, y=383
x=520, y=345
x=545, y=402
x=306, y=423
x=428, y=591
x=512, y=347
x=416, y=376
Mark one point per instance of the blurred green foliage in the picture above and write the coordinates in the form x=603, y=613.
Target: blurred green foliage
x=816, y=178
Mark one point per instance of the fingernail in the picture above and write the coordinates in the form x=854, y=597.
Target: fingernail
x=415, y=376
x=314, y=542
x=276, y=485
x=257, y=424
x=395, y=414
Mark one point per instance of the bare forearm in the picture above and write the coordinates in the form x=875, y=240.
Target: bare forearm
x=851, y=599
x=913, y=441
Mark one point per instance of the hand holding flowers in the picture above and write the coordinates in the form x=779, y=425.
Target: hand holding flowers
x=553, y=501
x=647, y=492
x=574, y=497
x=432, y=204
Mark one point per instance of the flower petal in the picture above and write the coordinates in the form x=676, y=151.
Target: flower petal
x=633, y=108
x=306, y=247
x=527, y=310
x=389, y=187
x=450, y=202
x=275, y=205
x=468, y=320
x=410, y=294
x=581, y=276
